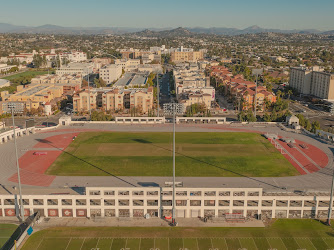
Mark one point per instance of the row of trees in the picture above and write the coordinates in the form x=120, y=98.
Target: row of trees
x=305, y=123
x=101, y=116
x=198, y=109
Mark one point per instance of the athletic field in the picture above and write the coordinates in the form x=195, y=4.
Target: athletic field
x=284, y=234
x=150, y=154
x=6, y=231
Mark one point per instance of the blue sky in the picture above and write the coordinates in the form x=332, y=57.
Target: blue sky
x=282, y=14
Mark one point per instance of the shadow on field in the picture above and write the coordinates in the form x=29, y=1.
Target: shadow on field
x=90, y=164
x=207, y=163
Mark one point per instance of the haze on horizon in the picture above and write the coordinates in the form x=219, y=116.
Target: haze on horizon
x=283, y=14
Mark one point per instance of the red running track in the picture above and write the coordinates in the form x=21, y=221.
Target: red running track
x=316, y=154
x=33, y=167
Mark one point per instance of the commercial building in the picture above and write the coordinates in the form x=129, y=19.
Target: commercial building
x=137, y=202
x=313, y=81
x=110, y=73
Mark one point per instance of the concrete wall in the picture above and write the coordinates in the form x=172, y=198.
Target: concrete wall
x=9, y=135
x=190, y=202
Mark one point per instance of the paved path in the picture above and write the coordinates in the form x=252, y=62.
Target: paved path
x=320, y=181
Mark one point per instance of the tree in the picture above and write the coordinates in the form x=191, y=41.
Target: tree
x=315, y=126
x=289, y=93
x=279, y=93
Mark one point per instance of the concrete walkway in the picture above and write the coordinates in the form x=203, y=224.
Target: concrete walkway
x=137, y=222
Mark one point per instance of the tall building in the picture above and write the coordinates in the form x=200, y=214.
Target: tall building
x=312, y=82
x=110, y=73
x=186, y=56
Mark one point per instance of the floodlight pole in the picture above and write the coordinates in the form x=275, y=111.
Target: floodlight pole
x=18, y=167
x=173, y=211
x=90, y=112
x=255, y=96
x=330, y=202
x=158, y=93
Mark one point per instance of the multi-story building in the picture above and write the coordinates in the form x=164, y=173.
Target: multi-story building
x=110, y=73
x=188, y=98
x=7, y=106
x=186, y=56
x=114, y=99
x=73, y=56
x=85, y=100
x=76, y=69
x=128, y=64
x=312, y=81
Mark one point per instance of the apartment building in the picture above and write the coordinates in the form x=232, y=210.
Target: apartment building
x=115, y=99
x=186, y=56
x=188, y=98
x=313, y=81
x=300, y=79
x=110, y=73
x=85, y=100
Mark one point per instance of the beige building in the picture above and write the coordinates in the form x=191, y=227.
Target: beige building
x=82, y=100
x=189, y=98
x=114, y=99
x=186, y=56
x=40, y=93
x=312, y=82
x=110, y=73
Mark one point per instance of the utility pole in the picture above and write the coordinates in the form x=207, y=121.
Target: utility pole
x=17, y=165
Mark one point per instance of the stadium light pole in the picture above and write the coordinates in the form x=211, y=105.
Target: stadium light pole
x=90, y=111
x=158, y=93
x=17, y=165
x=173, y=211
x=330, y=202
x=173, y=108
x=255, y=96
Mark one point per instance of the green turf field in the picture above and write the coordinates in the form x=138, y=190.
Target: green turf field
x=283, y=234
x=149, y=154
x=6, y=230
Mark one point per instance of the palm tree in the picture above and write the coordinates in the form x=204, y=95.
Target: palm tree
x=289, y=93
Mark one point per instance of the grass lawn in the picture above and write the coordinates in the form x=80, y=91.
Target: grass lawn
x=283, y=234
x=150, y=154
x=26, y=73
x=6, y=230
x=18, y=78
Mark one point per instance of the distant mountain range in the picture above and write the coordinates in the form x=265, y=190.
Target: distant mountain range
x=163, y=32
